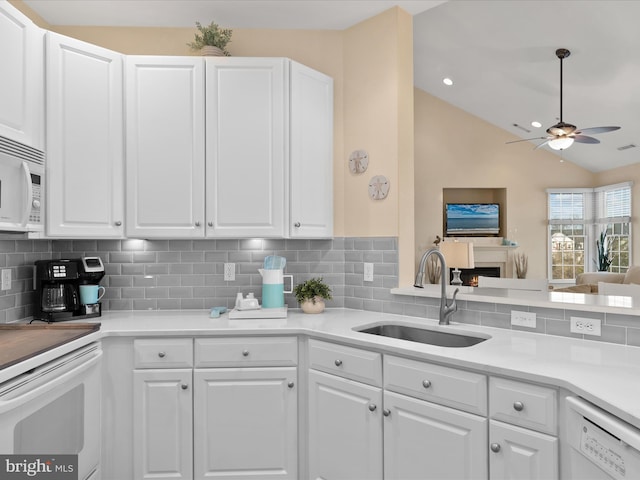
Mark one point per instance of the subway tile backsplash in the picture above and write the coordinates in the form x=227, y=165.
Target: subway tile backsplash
x=189, y=274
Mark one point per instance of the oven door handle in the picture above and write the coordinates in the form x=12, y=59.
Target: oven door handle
x=28, y=197
x=49, y=381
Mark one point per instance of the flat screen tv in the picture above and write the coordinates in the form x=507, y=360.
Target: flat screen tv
x=472, y=219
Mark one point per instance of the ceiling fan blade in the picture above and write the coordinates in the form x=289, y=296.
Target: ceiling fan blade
x=596, y=130
x=543, y=143
x=526, y=140
x=585, y=139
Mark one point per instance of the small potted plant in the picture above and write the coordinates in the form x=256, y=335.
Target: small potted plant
x=312, y=294
x=211, y=40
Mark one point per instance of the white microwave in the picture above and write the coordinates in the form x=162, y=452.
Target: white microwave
x=21, y=187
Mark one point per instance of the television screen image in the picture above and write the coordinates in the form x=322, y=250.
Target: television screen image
x=473, y=218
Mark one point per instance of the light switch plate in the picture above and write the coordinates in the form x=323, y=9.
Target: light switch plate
x=523, y=319
x=368, y=272
x=6, y=279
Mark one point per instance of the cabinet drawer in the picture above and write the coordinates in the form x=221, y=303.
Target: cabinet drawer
x=524, y=404
x=447, y=386
x=246, y=352
x=163, y=352
x=348, y=362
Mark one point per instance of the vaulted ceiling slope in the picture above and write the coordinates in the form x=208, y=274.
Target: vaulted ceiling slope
x=499, y=53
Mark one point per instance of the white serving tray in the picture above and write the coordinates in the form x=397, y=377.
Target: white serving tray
x=259, y=313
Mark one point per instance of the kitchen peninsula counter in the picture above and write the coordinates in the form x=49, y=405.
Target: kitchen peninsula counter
x=606, y=374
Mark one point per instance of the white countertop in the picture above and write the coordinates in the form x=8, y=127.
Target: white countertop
x=606, y=374
x=568, y=300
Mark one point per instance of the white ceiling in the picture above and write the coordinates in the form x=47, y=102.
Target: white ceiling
x=500, y=53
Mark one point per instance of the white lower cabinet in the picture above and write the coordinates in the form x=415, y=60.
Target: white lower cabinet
x=246, y=423
x=423, y=440
x=163, y=427
x=345, y=428
x=519, y=453
x=522, y=431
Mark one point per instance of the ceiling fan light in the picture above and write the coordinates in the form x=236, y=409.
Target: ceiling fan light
x=561, y=143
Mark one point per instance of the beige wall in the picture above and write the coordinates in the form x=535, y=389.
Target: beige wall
x=454, y=149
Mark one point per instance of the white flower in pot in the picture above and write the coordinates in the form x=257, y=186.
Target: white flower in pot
x=312, y=294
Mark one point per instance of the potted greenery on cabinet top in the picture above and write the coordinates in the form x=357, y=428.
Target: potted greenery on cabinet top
x=312, y=294
x=211, y=40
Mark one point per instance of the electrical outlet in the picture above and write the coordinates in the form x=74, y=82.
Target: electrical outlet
x=229, y=272
x=523, y=319
x=6, y=279
x=368, y=272
x=586, y=326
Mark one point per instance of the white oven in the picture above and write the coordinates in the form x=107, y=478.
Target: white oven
x=55, y=409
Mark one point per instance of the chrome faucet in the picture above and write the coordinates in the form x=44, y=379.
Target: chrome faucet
x=446, y=310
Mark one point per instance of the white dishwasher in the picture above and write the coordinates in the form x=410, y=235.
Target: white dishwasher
x=602, y=446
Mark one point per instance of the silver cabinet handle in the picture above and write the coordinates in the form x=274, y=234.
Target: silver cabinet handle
x=495, y=447
x=245, y=353
x=386, y=412
x=297, y=224
x=197, y=224
x=161, y=354
x=426, y=383
x=372, y=407
x=518, y=406
x=290, y=384
x=338, y=362
x=118, y=223
x=184, y=386
x=210, y=224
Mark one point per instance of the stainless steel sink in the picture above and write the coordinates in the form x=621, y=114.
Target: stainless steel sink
x=424, y=335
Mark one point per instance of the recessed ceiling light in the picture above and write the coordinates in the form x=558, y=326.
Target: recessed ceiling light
x=536, y=124
x=447, y=81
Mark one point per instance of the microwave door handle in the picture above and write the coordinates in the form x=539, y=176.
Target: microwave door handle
x=29, y=193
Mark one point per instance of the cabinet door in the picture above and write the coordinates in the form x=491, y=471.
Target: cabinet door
x=246, y=423
x=162, y=424
x=423, y=441
x=246, y=117
x=22, y=78
x=311, y=156
x=345, y=429
x=518, y=453
x=85, y=157
x=165, y=147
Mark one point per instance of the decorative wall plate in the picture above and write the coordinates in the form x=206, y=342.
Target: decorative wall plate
x=358, y=161
x=379, y=187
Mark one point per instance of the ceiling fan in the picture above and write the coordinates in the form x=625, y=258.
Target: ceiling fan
x=562, y=135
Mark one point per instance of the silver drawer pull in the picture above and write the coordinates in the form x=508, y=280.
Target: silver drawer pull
x=290, y=384
x=297, y=224
x=372, y=407
x=210, y=224
x=245, y=353
x=495, y=447
x=184, y=386
x=118, y=223
x=386, y=412
x=426, y=383
x=161, y=354
x=338, y=362
x=518, y=406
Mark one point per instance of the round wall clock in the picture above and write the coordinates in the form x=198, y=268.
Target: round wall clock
x=379, y=187
x=358, y=161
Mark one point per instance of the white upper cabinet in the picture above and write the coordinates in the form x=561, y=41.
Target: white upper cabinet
x=311, y=155
x=85, y=157
x=246, y=113
x=165, y=147
x=22, y=78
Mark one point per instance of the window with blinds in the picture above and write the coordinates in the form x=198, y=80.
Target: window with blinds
x=577, y=217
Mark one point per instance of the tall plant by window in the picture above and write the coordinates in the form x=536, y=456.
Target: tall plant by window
x=604, y=253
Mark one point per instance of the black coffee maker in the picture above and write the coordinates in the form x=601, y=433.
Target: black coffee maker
x=57, y=285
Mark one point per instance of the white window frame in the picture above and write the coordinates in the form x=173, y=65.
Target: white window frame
x=593, y=221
